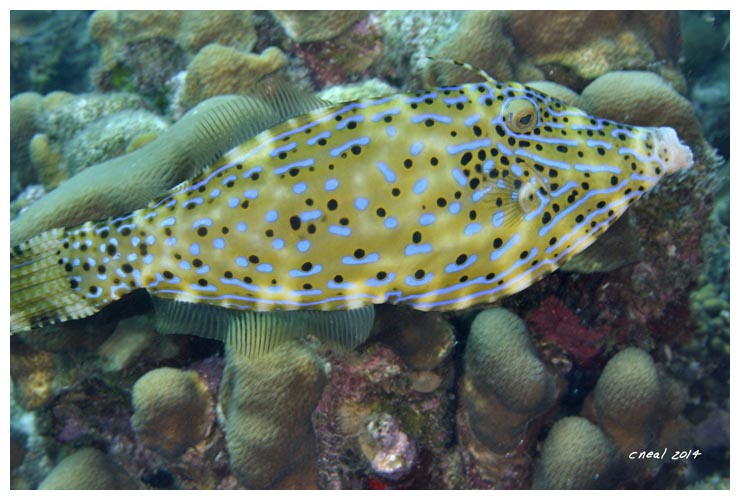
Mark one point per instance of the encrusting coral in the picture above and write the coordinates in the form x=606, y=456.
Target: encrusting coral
x=576, y=455
x=506, y=383
x=171, y=410
x=88, y=469
x=265, y=407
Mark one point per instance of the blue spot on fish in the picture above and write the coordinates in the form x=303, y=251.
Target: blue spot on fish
x=368, y=259
x=390, y=223
x=416, y=148
x=323, y=135
x=303, y=246
x=299, y=188
x=412, y=249
x=331, y=184
x=420, y=186
x=388, y=173
x=472, y=229
x=427, y=219
x=219, y=243
x=361, y=203
x=340, y=230
x=271, y=216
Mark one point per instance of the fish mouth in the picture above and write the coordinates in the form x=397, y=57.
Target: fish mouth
x=674, y=155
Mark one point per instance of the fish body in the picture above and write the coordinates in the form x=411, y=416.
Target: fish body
x=438, y=200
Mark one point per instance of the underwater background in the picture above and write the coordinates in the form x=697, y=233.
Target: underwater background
x=553, y=387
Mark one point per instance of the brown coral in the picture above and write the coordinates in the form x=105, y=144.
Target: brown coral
x=590, y=43
x=218, y=70
x=24, y=123
x=88, y=469
x=641, y=98
x=316, y=25
x=172, y=410
x=150, y=46
x=481, y=40
x=32, y=372
x=266, y=405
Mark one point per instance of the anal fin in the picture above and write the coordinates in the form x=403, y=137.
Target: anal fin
x=253, y=334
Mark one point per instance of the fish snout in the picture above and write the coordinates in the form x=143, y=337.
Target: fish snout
x=674, y=155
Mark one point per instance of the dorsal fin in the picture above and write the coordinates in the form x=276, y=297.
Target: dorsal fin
x=223, y=122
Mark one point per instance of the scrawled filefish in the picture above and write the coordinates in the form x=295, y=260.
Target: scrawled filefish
x=438, y=200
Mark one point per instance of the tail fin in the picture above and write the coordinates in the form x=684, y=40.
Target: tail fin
x=42, y=291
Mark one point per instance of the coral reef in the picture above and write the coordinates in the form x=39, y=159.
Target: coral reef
x=50, y=51
x=506, y=383
x=88, y=469
x=642, y=98
x=481, y=41
x=142, y=50
x=329, y=63
x=24, y=122
x=217, y=70
x=576, y=455
x=572, y=47
x=171, y=410
x=317, y=25
x=626, y=398
x=553, y=323
x=448, y=401
x=422, y=340
x=265, y=406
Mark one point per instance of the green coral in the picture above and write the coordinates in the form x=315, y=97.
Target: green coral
x=266, y=405
x=171, y=410
x=576, y=455
x=506, y=383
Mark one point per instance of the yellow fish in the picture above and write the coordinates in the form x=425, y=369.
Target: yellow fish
x=438, y=200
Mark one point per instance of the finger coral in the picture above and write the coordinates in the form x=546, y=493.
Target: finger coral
x=88, y=469
x=506, y=383
x=172, y=410
x=265, y=406
x=576, y=455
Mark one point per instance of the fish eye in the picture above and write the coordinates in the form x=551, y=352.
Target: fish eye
x=520, y=115
x=527, y=197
